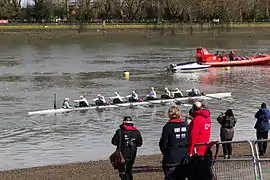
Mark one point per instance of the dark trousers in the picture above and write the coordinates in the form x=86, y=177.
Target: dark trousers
x=165, y=96
x=132, y=100
x=125, y=172
x=175, y=172
x=99, y=103
x=148, y=98
x=262, y=145
x=117, y=101
x=82, y=104
x=227, y=148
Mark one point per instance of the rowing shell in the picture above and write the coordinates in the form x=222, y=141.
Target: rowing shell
x=62, y=110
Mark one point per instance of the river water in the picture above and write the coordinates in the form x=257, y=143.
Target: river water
x=31, y=72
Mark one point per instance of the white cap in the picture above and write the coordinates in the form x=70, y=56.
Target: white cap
x=133, y=92
x=81, y=97
x=66, y=99
x=116, y=93
x=166, y=88
x=152, y=88
x=176, y=89
x=99, y=95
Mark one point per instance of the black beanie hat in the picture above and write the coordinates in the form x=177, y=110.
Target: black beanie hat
x=127, y=118
x=263, y=105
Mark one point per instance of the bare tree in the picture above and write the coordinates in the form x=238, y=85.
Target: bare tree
x=103, y=9
x=131, y=9
x=85, y=10
x=175, y=8
x=13, y=6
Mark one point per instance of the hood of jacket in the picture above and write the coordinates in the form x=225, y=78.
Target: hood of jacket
x=128, y=127
x=176, y=120
x=263, y=110
x=203, y=112
x=262, y=113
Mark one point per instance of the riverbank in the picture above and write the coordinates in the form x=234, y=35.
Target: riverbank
x=27, y=32
x=130, y=26
x=145, y=168
x=93, y=170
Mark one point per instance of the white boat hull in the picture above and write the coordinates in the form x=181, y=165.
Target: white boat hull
x=188, y=67
x=61, y=110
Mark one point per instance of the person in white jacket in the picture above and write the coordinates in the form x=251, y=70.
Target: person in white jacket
x=133, y=97
x=117, y=98
x=100, y=100
x=82, y=102
x=65, y=104
x=177, y=93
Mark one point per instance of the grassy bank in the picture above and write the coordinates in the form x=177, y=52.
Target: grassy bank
x=27, y=32
x=128, y=26
x=146, y=168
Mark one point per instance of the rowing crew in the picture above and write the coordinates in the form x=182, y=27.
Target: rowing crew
x=117, y=99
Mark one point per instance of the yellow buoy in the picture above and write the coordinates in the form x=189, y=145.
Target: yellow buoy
x=126, y=74
x=227, y=68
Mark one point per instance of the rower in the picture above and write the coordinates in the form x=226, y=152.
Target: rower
x=167, y=94
x=82, y=102
x=100, y=101
x=194, y=92
x=133, y=97
x=117, y=99
x=177, y=93
x=152, y=95
x=65, y=104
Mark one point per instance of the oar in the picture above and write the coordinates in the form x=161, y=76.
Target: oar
x=213, y=97
x=54, y=101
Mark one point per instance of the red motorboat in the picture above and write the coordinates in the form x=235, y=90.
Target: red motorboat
x=204, y=57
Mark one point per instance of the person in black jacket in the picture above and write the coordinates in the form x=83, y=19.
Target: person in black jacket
x=174, y=146
x=130, y=139
x=227, y=123
x=262, y=127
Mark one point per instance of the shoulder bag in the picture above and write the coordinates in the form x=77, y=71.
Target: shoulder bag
x=117, y=159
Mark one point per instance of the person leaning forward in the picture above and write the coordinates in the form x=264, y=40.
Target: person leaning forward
x=174, y=146
x=130, y=139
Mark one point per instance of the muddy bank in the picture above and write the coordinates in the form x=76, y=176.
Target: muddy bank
x=146, y=167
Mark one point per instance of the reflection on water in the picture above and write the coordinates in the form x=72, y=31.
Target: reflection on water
x=34, y=72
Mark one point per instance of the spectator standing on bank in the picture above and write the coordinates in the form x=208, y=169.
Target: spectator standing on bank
x=174, y=146
x=200, y=128
x=262, y=127
x=227, y=123
x=130, y=139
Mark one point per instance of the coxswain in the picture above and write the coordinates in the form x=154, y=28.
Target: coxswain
x=167, y=94
x=133, y=97
x=231, y=56
x=117, y=99
x=82, y=102
x=65, y=104
x=152, y=95
x=177, y=93
x=194, y=92
x=100, y=101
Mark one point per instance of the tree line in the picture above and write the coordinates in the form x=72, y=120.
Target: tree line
x=135, y=10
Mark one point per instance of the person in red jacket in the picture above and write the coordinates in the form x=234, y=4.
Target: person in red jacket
x=200, y=128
